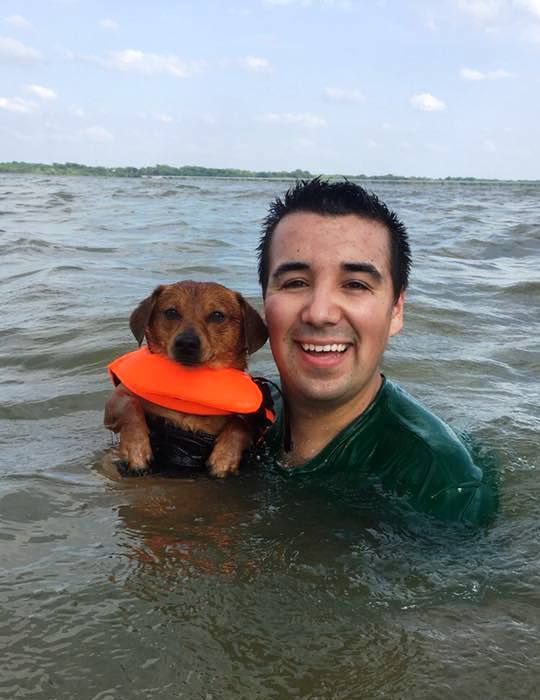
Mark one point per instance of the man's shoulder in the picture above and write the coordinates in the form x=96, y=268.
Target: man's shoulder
x=423, y=430
x=424, y=459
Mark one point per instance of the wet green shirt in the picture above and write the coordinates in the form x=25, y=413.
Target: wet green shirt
x=410, y=452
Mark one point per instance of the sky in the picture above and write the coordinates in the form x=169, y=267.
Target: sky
x=429, y=88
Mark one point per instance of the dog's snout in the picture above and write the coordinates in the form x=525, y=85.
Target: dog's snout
x=187, y=347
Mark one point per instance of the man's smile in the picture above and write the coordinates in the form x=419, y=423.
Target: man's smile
x=334, y=347
x=322, y=355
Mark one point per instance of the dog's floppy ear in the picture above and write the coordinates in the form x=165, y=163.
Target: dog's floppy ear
x=140, y=317
x=255, y=331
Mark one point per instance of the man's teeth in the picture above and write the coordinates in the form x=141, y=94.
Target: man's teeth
x=336, y=347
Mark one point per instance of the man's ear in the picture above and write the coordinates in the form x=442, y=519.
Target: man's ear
x=396, y=321
x=255, y=332
x=140, y=317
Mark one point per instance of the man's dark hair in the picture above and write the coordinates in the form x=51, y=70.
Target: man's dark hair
x=319, y=196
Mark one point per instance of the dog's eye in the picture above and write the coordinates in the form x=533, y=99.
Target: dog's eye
x=216, y=317
x=171, y=314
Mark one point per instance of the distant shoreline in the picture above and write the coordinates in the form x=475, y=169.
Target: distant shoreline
x=23, y=168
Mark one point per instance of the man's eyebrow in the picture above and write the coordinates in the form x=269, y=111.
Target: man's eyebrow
x=292, y=266
x=366, y=267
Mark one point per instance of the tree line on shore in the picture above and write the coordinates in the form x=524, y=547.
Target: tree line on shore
x=20, y=167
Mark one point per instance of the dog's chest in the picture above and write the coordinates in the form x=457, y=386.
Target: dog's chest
x=176, y=447
x=187, y=421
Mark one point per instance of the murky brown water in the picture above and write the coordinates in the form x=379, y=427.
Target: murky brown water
x=257, y=587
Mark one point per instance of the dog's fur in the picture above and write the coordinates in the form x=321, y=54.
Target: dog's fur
x=194, y=323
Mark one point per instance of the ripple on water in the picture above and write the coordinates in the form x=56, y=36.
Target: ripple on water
x=258, y=586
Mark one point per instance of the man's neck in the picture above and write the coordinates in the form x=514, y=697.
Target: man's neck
x=313, y=426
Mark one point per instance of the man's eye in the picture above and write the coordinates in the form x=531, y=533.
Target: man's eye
x=171, y=314
x=356, y=284
x=293, y=284
x=216, y=317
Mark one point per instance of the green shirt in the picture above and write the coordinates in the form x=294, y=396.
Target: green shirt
x=410, y=452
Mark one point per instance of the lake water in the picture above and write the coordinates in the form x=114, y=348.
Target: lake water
x=255, y=587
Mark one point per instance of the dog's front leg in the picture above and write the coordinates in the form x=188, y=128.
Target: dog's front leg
x=228, y=448
x=124, y=415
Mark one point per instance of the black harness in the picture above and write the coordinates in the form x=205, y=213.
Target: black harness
x=175, y=447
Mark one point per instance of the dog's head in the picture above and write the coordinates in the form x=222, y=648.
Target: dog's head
x=199, y=323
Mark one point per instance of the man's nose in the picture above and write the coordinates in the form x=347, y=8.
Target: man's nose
x=321, y=308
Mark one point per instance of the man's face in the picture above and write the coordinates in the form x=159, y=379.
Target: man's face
x=330, y=307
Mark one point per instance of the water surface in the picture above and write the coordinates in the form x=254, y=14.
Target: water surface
x=257, y=587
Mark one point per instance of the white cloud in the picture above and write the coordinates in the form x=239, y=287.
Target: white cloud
x=42, y=92
x=532, y=6
x=13, y=50
x=164, y=118
x=482, y=10
x=533, y=33
x=97, y=133
x=427, y=103
x=108, y=24
x=309, y=3
x=340, y=95
x=76, y=111
x=17, y=21
x=473, y=74
x=17, y=104
x=150, y=63
x=308, y=120
x=255, y=63
x=500, y=74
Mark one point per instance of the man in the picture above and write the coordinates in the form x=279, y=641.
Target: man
x=334, y=265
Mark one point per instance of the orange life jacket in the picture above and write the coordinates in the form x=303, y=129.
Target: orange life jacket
x=197, y=390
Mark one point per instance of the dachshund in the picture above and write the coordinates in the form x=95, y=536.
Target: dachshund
x=195, y=324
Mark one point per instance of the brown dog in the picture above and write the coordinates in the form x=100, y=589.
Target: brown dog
x=194, y=323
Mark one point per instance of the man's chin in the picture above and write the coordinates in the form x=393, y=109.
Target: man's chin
x=319, y=394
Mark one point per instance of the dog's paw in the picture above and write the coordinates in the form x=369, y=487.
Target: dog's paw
x=124, y=469
x=134, y=457
x=223, y=462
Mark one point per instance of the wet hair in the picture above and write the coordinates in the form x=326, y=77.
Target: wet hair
x=340, y=198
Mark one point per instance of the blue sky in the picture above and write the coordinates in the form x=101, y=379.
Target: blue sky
x=410, y=87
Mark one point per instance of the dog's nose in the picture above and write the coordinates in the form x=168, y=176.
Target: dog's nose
x=187, y=347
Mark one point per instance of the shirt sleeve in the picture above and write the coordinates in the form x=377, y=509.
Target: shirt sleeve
x=474, y=503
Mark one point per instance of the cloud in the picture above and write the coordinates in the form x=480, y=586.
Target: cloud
x=97, y=133
x=482, y=10
x=13, y=50
x=340, y=95
x=533, y=33
x=427, y=103
x=42, y=92
x=133, y=60
x=18, y=21
x=109, y=25
x=255, y=63
x=473, y=74
x=309, y=120
x=17, y=104
x=532, y=6
x=309, y=3
x=76, y=111
x=164, y=118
